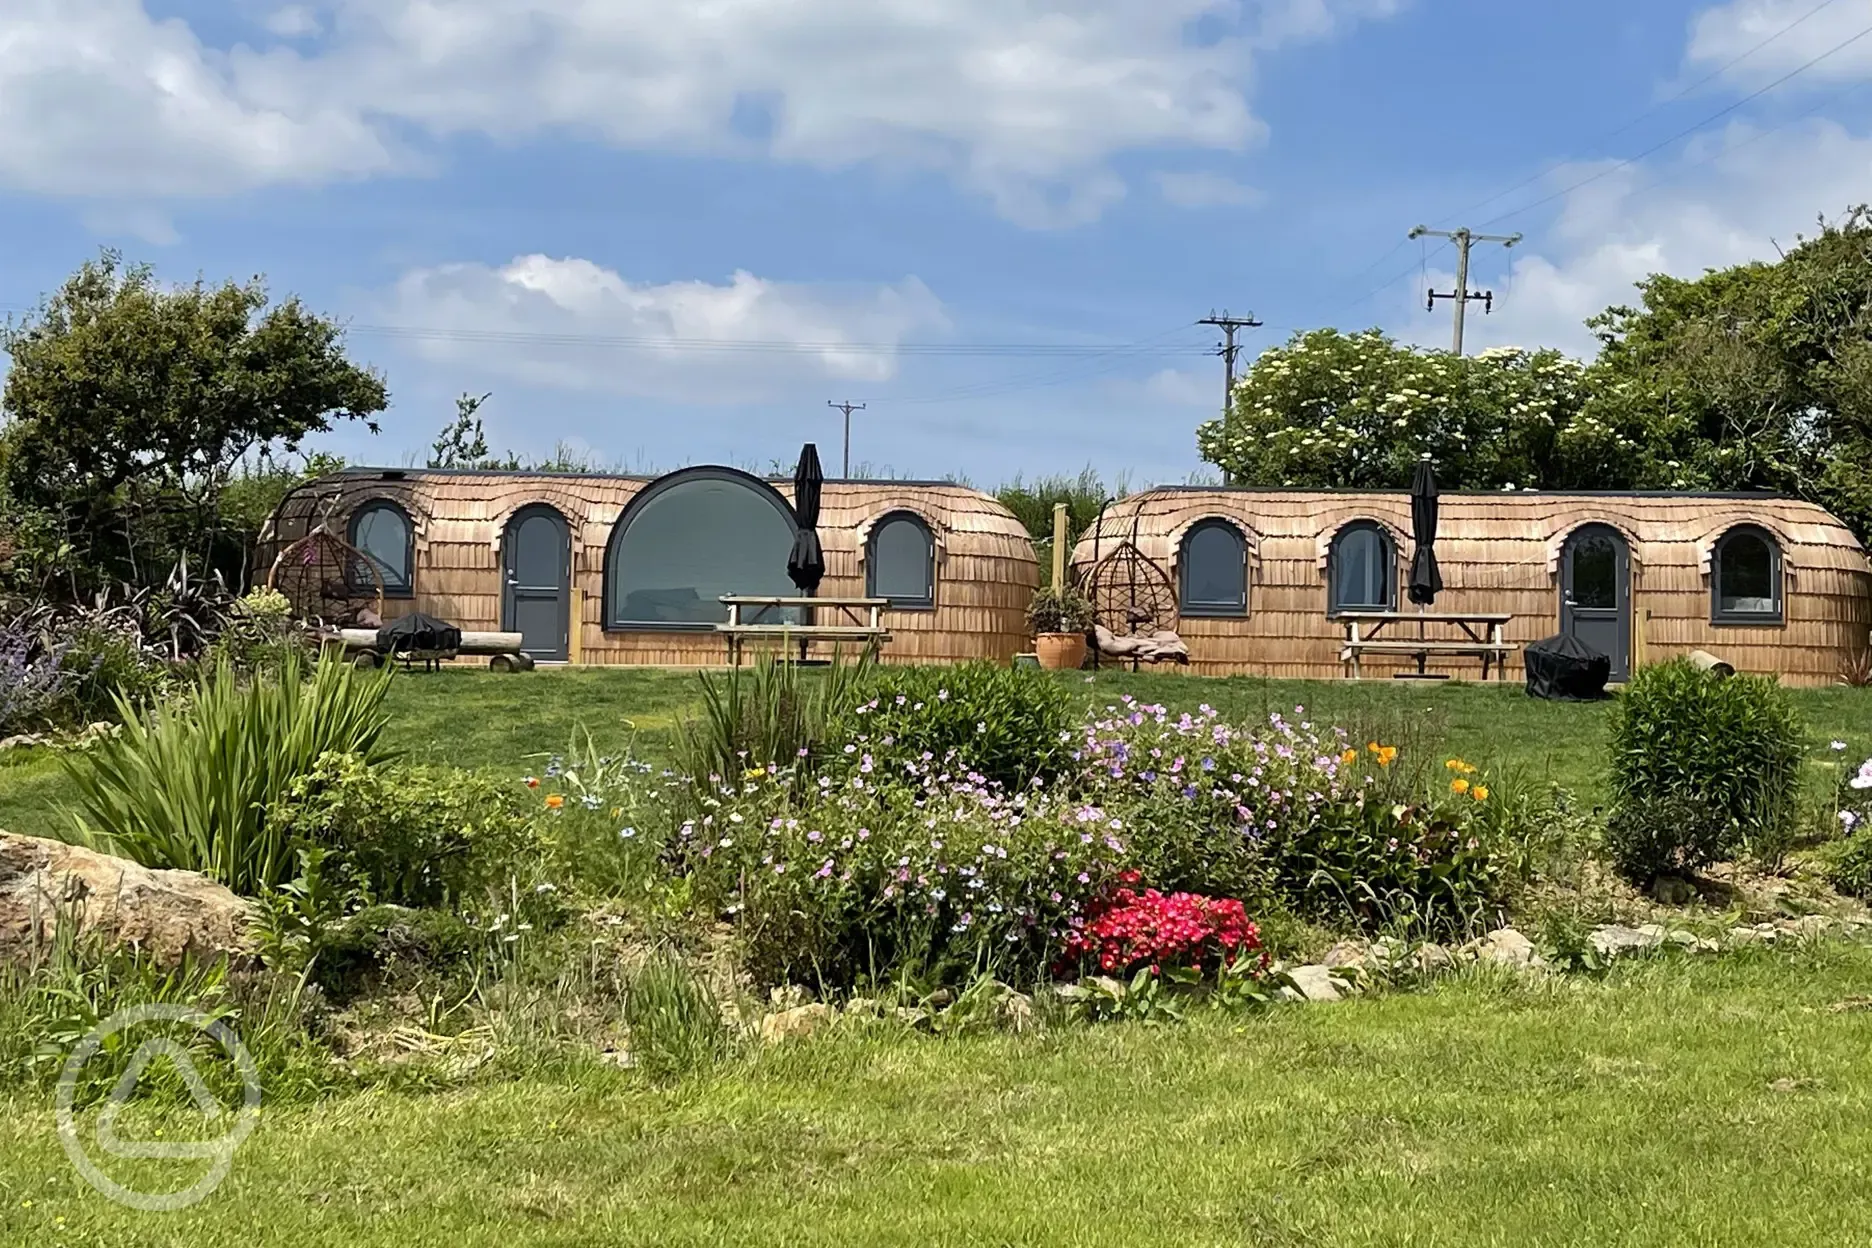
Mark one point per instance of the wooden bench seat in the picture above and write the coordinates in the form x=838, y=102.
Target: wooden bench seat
x=1492, y=653
x=801, y=633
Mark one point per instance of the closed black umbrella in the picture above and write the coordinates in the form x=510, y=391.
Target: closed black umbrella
x=1426, y=579
x=806, y=565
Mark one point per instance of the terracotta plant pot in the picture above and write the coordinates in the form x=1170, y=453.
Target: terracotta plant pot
x=1060, y=652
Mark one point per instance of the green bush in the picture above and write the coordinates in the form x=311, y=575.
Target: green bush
x=1008, y=725
x=386, y=941
x=1700, y=764
x=1848, y=866
x=190, y=786
x=407, y=835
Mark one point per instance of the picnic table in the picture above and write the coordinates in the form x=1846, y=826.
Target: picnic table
x=870, y=629
x=1481, y=637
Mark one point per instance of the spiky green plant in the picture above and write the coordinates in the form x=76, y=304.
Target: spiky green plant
x=188, y=784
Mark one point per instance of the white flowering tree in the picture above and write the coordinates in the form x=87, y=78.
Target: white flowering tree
x=1357, y=410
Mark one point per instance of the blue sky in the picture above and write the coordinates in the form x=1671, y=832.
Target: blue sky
x=670, y=230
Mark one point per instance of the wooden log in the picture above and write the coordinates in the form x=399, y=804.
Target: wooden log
x=471, y=643
x=1703, y=660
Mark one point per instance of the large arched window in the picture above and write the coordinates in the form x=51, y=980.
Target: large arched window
x=1212, y=570
x=382, y=531
x=900, y=562
x=1361, y=569
x=1745, y=577
x=689, y=538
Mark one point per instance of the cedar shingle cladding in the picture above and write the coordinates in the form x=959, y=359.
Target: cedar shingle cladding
x=1501, y=552
x=985, y=570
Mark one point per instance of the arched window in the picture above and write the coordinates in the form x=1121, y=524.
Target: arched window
x=900, y=562
x=1212, y=570
x=1745, y=577
x=382, y=531
x=689, y=538
x=1361, y=570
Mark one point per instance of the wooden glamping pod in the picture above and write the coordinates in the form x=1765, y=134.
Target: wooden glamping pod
x=1259, y=579
x=621, y=569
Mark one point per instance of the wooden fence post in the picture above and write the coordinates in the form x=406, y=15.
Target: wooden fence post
x=1059, y=546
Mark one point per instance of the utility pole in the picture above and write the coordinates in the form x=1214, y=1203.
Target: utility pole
x=1227, y=349
x=848, y=407
x=1461, y=296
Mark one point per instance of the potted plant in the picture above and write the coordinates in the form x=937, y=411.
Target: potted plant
x=1060, y=619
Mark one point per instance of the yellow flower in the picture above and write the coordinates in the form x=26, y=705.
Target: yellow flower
x=1350, y=756
x=1372, y=746
x=1455, y=764
x=554, y=801
x=1387, y=754
x=1480, y=793
x=756, y=774
x=1459, y=785
x=617, y=812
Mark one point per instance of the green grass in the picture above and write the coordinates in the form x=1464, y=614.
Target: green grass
x=1638, y=1111
x=476, y=718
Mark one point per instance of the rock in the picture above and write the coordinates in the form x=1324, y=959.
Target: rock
x=787, y=996
x=1614, y=939
x=1672, y=891
x=861, y=1005
x=801, y=1020
x=1507, y=947
x=1346, y=953
x=1764, y=933
x=1433, y=958
x=165, y=914
x=1312, y=983
x=1015, y=1011
x=21, y=741
x=1807, y=925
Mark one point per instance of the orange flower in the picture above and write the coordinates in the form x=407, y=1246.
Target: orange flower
x=1387, y=754
x=554, y=801
x=1480, y=793
x=1459, y=785
x=1350, y=756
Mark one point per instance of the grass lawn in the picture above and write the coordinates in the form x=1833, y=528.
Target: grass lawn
x=475, y=718
x=1709, y=1103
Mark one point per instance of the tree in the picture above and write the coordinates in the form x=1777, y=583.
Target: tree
x=131, y=404
x=1752, y=377
x=1357, y=410
x=463, y=442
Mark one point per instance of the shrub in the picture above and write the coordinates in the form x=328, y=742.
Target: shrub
x=608, y=818
x=380, y=941
x=1301, y=816
x=1131, y=928
x=1059, y=611
x=1008, y=725
x=33, y=678
x=190, y=786
x=109, y=668
x=406, y=835
x=1848, y=866
x=1682, y=738
x=933, y=871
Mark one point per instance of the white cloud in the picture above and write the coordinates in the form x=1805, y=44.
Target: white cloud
x=1024, y=103
x=1182, y=388
x=1206, y=190
x=1729, y=31
x=1733, y=197
x=102, y=100
x=572, y=324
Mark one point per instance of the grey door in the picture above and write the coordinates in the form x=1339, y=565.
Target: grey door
x=536, y=556
x=1595, y=593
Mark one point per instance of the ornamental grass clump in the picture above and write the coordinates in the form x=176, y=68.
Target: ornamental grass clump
x=1701, y=765
x=189, y=786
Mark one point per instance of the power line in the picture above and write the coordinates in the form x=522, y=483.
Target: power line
x=1649, y=113
x=1684, y=133
x=1230, y=326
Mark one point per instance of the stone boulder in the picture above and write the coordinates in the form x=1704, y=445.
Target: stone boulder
x=165, y=914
